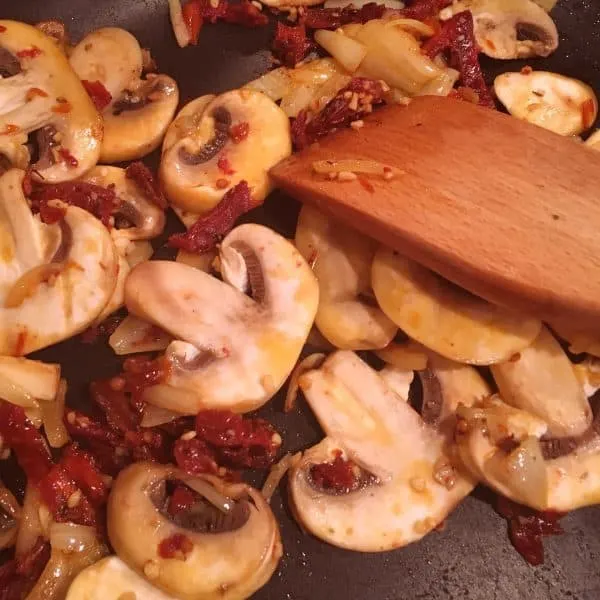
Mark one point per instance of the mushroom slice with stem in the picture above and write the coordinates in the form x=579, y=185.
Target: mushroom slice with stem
x=45, y=97
x=140, y=110
x=510, y=450
x=225, y=546
x=231, y=351
x=391, y=493
x=508, y=29
x=237, y=136
x=540, y=379
x=54, y=279
x=348, y=315
x=560, y=104
x=445, y=318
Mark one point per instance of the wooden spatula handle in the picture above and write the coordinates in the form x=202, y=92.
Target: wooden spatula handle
x=509, y=211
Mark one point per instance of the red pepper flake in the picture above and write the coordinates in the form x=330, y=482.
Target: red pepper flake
x=291, y=45
x=176, y=546
x=424, y=9
x=10, y=129
x=457, y=35
x=209, y=229
x=62, y=106
x=68, y=158
x=21, y=341
x=588, y=113
x=142, y=176
x=181, y=500
x=2, y=29
x=239, y=132
x=100, y=96
x=35, y=92
x=19, y=434
x=224, y=165
x=366, y=184
x=350, y=104
x=221, y=184
x=97, y=200
x=32, y=52
x=526, y=527
x=332, y=18
x=338, y=476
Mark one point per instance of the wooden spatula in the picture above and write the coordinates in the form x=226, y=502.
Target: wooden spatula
x=507, y=210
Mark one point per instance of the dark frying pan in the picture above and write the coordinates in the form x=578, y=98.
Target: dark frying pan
x=472, y=557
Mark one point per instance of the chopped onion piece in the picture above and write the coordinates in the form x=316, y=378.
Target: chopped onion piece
x=182, y=35
x=135, y=335
x=348, y=52
x=412, y=26
x=34, y=414
x=277, y=473
x=367, y=167
x=441, y=85
x=360, y=3
x=13, y=393
x=154, y=415
x=30, y=377
x=276, y=83
x=52, y=416
x=30, y=528
x=312, y=361
x=70, y=537
x=207, y=491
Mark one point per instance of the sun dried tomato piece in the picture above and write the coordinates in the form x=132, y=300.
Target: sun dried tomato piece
x=242, y=13
x=177, y=545
x=246, y=14
x=100, y=96
x=193, y=20
x=140, y=372
x=237, y=441
x=194, y=457
x=424, y=9
x=526, y=527
x=351, y=103
x=181, y=500
x=332, y=18
x=457, y=35
x=19, y=575
x=210, y=229
x=291, y=45
x=95, y=199
x=32, y=52
x=19, y=434
x=115, y=405
x=142, y=176
x=338, y=476
x=148, y=444
x=110, y=458
x=81, y=467
x=82, y=426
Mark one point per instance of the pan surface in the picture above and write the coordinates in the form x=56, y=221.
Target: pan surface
x=472, y=557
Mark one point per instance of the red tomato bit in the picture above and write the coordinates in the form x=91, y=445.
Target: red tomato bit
x=338, y=476
x=32, y=52
x=100, y=96
x=19, y=434
x=68, y=158
x=424, y=9
x=239, y=132
x=457, y=36
x=526, y=527
x=291, y=45
x=224, y=165
x=142, y=176
x=195, y=457
x=209, y=229
x=175, y=546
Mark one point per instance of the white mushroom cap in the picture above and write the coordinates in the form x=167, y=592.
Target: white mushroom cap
x=561, y=104
x=189, y=169
x=444, y=317
x=509, y=29
x=233, y=351
x=113, y=57
x=58, y=103
x=233, y=554
x=56, y=297
x=341, y=260
x=384, y=436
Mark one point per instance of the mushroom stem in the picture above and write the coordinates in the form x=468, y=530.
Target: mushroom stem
x=222, y=122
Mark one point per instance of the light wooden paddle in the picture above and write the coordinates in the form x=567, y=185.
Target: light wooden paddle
x=507, y=210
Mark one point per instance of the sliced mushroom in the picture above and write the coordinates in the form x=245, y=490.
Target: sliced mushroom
x=561, y=104
x=112, y=579
x=341, y=259
x=509, y=29
x=232, y=542
x=10, y=515
x=232, y=351
x=140, y=111
x=398, y=496
x=54, y=279
x=47, y=97
x=236, y=136
x=444, y=317
x=509, y=450
x=540, y=379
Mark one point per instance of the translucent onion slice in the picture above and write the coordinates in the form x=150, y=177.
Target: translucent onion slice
x=312, y=361
x=442, y=85
x=182, y=35
x=412, y=26
x=135, y=335
x=69, y=537
x=277, y=473
x=30, y=528
x=207, y=491
x=154, y=415
x=15, y=394
x=37, y=379
x=52, y=417
x=348, y=52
